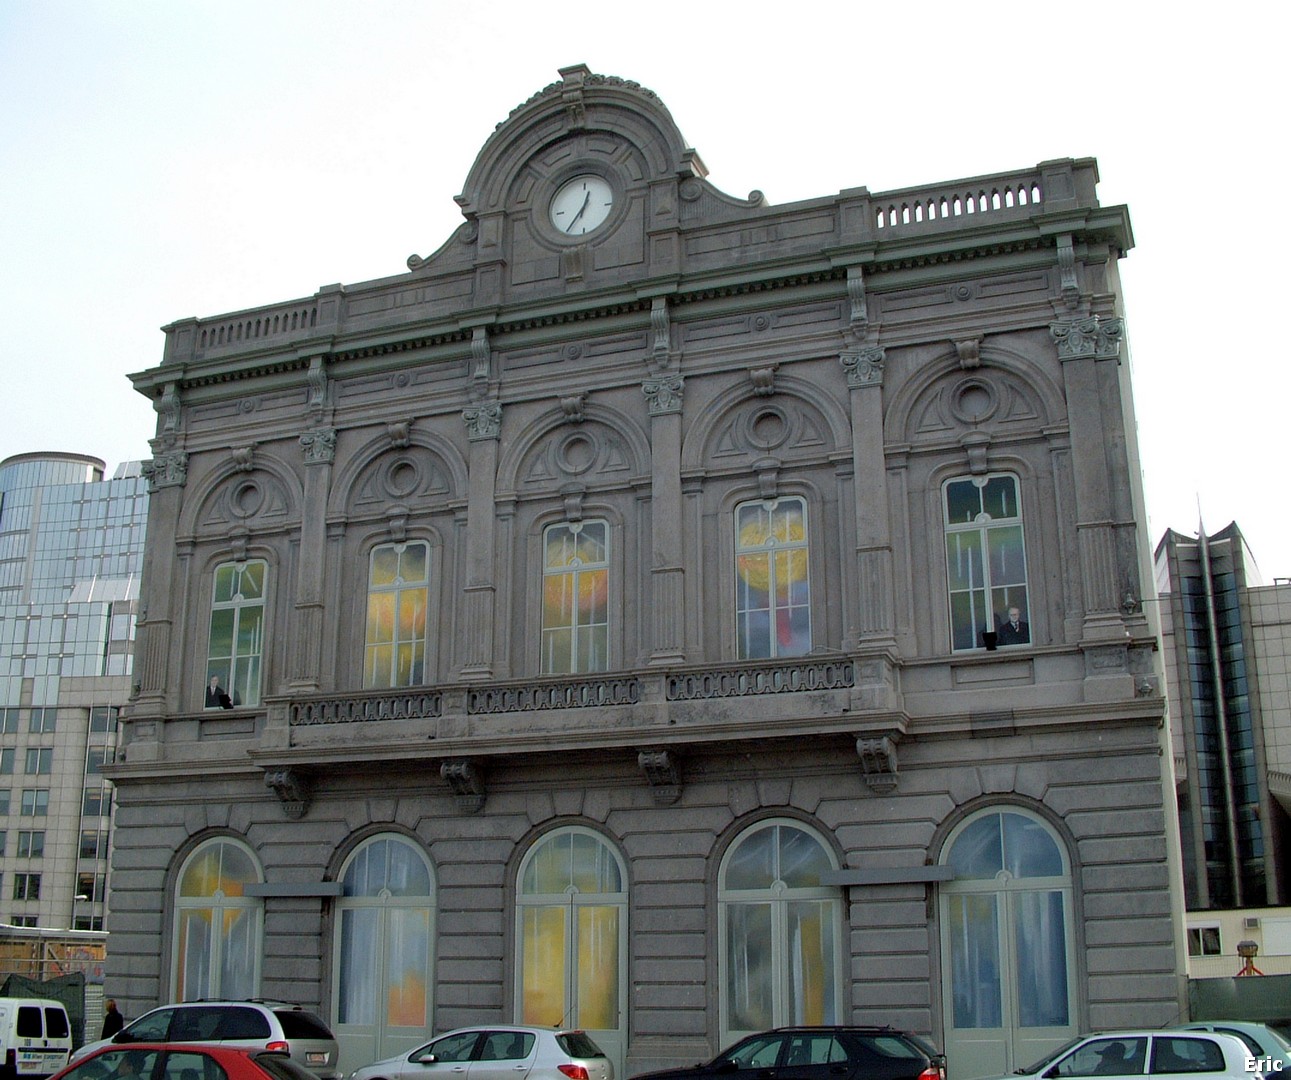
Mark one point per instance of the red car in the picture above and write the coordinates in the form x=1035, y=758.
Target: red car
x=173, y=1061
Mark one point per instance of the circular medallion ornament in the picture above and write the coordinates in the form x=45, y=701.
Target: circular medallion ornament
x=581, y=204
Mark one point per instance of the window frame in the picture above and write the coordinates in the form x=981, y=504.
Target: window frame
x=576, y=570
x=242, y=692
x=230, y=907
x=770, y=548
x=399, y=588
x=980, y=528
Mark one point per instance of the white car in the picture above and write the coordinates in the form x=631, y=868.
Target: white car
x=1260, y=1039
x=497, y=1052
x=1130, y=1055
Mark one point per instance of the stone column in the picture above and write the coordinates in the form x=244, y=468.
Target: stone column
x=483, y=427
x=319, y=447
x=667, y=578
x=166, y=473
x=872, y=611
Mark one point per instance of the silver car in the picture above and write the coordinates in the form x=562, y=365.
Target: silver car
x=251, y=1024
x=497, y=1052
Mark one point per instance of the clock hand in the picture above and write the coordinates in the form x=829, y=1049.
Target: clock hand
x=586, y=199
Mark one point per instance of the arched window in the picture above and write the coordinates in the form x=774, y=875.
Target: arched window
x=575, y=597
x=398, y=589
x=1006, y=941
x=235, y=648
x=218, y=928
x=571, y=923
x=986, y=562
x=772, y=592
x=780, y=931
x=385, y=949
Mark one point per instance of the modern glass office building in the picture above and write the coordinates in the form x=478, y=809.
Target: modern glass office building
x=71, y=548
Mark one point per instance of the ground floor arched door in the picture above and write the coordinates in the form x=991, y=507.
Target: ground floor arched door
x=384, y=951
x=572, y=930
x=1006, y=943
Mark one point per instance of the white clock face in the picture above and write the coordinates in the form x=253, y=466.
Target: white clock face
x=581, y=205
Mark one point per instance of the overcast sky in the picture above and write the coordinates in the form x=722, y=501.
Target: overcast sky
x=165, y=158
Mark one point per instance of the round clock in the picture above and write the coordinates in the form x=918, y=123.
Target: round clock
x=581, y=204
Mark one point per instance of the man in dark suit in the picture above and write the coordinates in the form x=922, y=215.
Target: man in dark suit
x=216, y=697
x=1014, y=630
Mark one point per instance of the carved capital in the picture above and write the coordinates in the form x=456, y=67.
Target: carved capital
x=1087, y=335
x=662, y=773
x=319, y=446
x=467, y=784
x=878, y=762
x=663, y=393
x=863, y=366
x=292, y=788
x=483, y=421
x=166, y=470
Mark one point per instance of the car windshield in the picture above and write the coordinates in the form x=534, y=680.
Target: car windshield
x=1048, y=1059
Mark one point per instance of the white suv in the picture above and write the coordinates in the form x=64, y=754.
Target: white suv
x=253, y=1024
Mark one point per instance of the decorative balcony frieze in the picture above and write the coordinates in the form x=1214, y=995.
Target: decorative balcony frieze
x=573, y=694
x=292, y=788
x=365, y=707
x=663, y=773
x=466, y=780
x=789, y=677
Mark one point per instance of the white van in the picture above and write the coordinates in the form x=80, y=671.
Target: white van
x=35, y=1038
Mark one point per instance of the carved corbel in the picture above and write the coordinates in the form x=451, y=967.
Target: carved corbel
x=481, y=362
x=571, y=95
x=970, y=353
x=168, y=408
x=859, y=317
x=1067, y=268
x=239, y=538
x=763, y=379
x=977, y=443
x=572, y=495
x=660, y=333
x=244, y=458
x=662, y=773
x=292, y=788
x=399, y=434
x=878, y=762
x=319, y=386
x=767, y=471
x=397, y=523
x=572, y=407
x=467, y=784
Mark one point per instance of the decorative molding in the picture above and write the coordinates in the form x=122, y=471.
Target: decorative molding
x=169, y=409
x=483, y=421
x=1067, y=266
x=660, y=332
x=859, y=316
x=662, y=773
x=878, y=762
x=481, y=362
x=467, y=784
x=319, y=386
x=1087, y=335
x=292, y=788
x=863, y=365
x=166, y=470
x=572, y=496
x=571, y=95
x=319, y=446
x=663, y=393
x=243, y=458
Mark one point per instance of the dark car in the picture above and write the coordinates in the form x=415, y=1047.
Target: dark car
x=820, y=1053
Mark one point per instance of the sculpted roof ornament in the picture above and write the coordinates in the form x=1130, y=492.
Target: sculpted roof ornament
x=572, y=74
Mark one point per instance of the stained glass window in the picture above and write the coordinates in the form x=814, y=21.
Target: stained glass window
x=575, y=597
x=772, y=595
x=398, y=583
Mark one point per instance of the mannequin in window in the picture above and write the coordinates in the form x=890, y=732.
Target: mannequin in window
x=216, y=696
x=1014, y=630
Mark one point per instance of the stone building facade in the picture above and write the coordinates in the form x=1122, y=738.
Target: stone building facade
x=662, y=613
